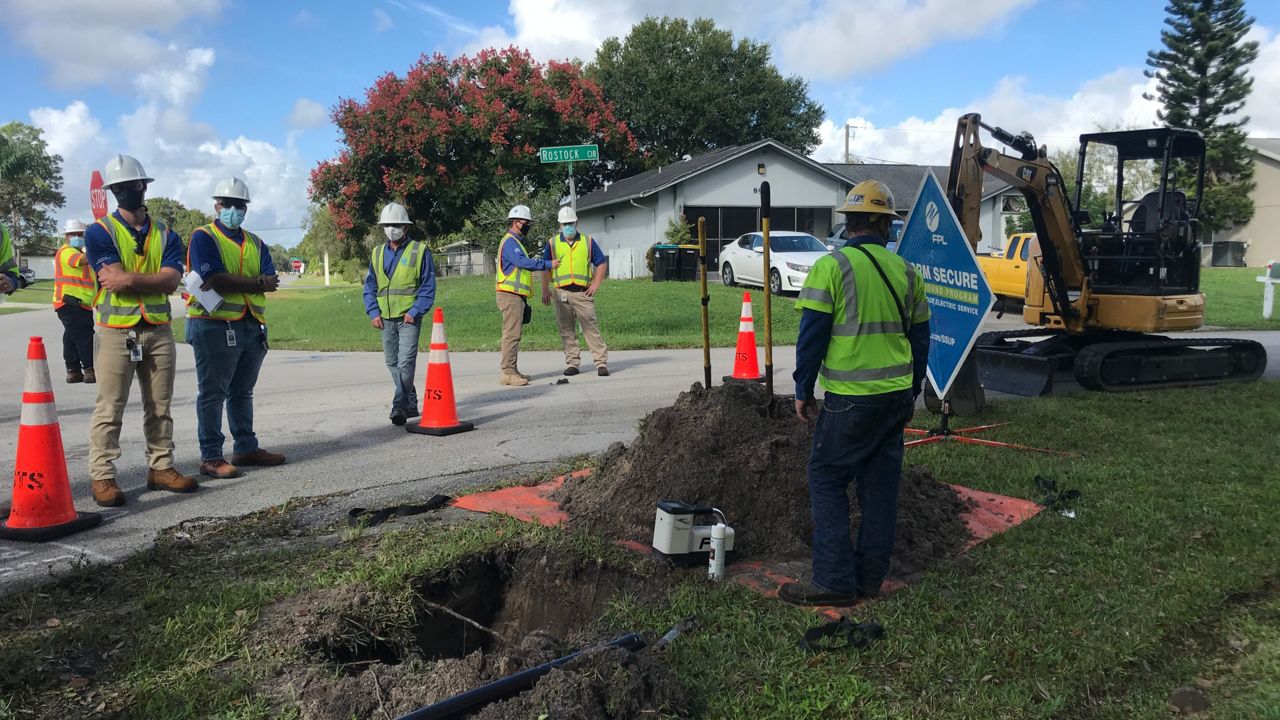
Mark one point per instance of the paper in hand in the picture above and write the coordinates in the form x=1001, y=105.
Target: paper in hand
x=209, y=299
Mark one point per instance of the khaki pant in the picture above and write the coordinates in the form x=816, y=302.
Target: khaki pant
x=512, y=308
x=115, y=376
x=573, y=309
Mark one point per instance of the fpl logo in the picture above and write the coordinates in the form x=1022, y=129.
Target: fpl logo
x=931, y=218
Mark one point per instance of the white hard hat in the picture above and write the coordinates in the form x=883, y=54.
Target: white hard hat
x=72, y=226
x=567, y=215
x=122, y=169
x=521, y=212
x=394, y=214
x=232, y=187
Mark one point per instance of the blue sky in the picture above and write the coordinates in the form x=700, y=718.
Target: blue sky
x=201, y=90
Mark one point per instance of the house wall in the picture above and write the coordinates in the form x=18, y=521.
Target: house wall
x=1263, y=231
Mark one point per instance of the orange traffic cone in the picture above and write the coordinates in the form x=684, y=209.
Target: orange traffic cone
x=439, y=413
x=745, y=364
x=42, y=508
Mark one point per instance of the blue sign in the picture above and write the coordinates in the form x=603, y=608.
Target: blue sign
x=959, y=297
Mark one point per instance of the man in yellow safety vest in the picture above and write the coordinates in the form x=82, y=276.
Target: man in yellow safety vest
x=73, y=302
x=138, y=261
x=515, y=285
x=865, y=335
x=576, y=281
x=230, y=338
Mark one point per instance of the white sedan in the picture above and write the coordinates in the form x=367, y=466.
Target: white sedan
x=791, y=254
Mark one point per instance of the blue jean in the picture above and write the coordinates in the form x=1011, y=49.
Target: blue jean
x=400, y=350
x=226, y=375
x=857, y=439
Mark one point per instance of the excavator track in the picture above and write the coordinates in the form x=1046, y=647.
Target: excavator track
x=1159, y=362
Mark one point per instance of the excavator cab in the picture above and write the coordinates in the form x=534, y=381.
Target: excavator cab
x=1149, y=242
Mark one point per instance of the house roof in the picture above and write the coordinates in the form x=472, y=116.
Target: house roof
x=1267, y=147
x=652, y=181
x=904, y=180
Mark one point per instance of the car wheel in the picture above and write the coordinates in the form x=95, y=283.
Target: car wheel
x=726, y=275
x=775, y=282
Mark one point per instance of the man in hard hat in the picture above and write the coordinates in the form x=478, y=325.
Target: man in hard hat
x=229, y=339
x=576, y=284
x=8, y=266
x=398, y=293
x=864, y=335
x=73, y=302
x=138, y=261
x=515, y=285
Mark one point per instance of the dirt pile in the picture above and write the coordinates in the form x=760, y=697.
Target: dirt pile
x=484, y=619
x=737, y=448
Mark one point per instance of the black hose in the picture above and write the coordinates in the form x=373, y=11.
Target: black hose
x=468, y=702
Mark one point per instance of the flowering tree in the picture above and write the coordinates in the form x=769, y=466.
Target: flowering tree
x=447, y=134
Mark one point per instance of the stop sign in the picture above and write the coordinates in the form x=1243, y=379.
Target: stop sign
x=297, y=265
x=97, y=196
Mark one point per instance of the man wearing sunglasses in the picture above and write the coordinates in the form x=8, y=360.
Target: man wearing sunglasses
x=138, y=264
x=229, y=340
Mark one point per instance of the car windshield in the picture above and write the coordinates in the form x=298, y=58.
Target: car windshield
x=796, y=243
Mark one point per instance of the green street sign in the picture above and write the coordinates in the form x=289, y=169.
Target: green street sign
x=569, y=153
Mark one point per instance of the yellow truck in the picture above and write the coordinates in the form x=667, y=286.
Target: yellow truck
x=1006, y=271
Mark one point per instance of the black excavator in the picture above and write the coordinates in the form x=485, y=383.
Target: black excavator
x=1098, y=297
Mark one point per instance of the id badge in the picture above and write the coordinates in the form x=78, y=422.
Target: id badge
x=231, y=337
x=564, y=297
x=135, y=347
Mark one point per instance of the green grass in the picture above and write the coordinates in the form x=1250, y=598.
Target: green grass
x=318, y=281
x=1233, y=299
x=1165, y=572
x=41, y=292
x=13, y=310
x=633, y=314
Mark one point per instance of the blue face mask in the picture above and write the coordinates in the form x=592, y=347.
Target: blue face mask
x=76, y=242
x=569, y=231
x=231, y=217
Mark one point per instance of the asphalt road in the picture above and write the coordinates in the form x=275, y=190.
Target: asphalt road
x=328, y=413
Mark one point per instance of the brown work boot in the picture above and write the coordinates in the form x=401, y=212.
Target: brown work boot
x=258, y=457
x=219, y=469
x=89, y=376
x=512, y=379
x=171, y=480
x=526, y=377
x=106, y=493
x=74, y=376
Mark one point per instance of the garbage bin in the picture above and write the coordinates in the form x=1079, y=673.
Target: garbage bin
x=688, y=262
x=666, y=260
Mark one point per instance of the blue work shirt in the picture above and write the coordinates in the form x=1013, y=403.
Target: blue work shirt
x=426, y=282
x=513, y=256
x=598, y=257
x=207, y=260
x=101, y=249
x=815, y=336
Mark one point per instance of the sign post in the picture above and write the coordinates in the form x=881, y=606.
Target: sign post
x=569, y=154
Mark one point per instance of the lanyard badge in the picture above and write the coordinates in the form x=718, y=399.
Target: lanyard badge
x=135, y=347
x=231, y=337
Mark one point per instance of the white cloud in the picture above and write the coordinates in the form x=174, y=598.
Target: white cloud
x=86, y=42
x=437, y=15
x=178, y=83
x=1263, y=106
x=381, y=20
x=881, y=34
x=307, y=114
x=68, y=131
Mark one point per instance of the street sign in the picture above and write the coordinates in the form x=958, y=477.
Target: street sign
x=97, y=196
x=297, y=265
x=569, y=153
x=959, y=297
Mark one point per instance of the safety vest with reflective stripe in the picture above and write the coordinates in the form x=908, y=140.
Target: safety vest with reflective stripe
x=575, y=260
x=71, y=276
x=397, y=293
x=7, y=263
x=125, y=309
x=519, y=280
x=243, y=259
x=869, y=353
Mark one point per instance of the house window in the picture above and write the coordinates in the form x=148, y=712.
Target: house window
x=1013, y=204
x=813, y=220
x=735, y=221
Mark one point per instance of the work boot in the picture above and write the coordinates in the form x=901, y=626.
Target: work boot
x=807, y=593
x=106, y=493
x=74, y=376
x=398, y=416
x=602, y=371
x=219, y=469
x=89, y=376
x=512, y=379
x=259, y=457
x=171, y=480
x=571, y=371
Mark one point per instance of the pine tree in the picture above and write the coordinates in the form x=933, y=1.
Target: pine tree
x=1203, y=85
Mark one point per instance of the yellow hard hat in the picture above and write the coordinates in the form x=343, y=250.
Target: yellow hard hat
x=869, y=196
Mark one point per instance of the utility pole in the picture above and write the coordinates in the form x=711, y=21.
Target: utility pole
x=847, y=157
